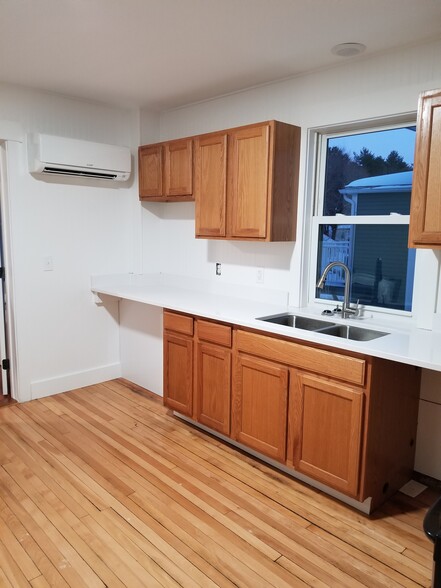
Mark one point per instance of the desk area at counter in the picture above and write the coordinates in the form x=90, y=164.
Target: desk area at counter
x=243, y=306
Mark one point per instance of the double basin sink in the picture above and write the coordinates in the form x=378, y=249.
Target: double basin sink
x=323, y=327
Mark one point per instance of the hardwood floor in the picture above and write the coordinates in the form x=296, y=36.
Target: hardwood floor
x=102, y=487
x=6, y=401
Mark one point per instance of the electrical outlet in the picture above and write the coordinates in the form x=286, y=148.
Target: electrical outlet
x=218, y=269
x=260, y=275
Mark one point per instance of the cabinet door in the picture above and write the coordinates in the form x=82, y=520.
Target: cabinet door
x=260, y=404
x=150, y=171
x=248, y=162
x=211, y=185
x=326, y=420
x=178, y=168
x=178, y=373
x=425, y=213
x=213, y=384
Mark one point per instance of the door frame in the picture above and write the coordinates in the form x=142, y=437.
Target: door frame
x=8, y=283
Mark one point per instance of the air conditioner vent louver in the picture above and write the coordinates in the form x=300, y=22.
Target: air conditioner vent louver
x=59, y=156
x=84, y=173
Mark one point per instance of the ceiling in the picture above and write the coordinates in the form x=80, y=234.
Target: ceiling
x=161, y=54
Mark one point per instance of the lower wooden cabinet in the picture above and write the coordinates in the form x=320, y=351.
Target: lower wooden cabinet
x=345, y=420
x=351, y=421
x=260, y=406
x=212, y=386
x=178, y=362
x=326, y=419
x=178, y=373
x=197, y=369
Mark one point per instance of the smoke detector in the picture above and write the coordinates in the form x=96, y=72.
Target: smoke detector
x=348, y=49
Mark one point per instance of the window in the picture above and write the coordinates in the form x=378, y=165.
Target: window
x=361, y=216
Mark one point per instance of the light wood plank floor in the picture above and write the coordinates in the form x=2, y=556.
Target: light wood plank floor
x=102, y=487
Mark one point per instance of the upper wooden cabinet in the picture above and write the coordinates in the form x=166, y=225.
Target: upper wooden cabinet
x=246, y=182
x=210, y=156
x=166, y=171
x=425, y=210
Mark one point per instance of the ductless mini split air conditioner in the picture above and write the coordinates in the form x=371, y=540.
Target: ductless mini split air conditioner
x=60, y=156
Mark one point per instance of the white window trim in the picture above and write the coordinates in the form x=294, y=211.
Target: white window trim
x=427, y=267
x=360, y=220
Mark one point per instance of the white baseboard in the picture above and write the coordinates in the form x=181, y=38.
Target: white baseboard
x=42, y=388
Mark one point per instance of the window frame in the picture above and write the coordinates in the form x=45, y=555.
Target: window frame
x=318, y=151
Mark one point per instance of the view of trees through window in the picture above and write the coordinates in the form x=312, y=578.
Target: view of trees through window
x=344, y=166
x=368, y=175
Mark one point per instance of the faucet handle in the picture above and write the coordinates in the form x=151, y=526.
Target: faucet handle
x=356, y=309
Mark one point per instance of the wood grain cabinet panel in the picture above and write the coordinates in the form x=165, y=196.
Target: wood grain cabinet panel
x=327, y=427
x=213, y=385
x=260, y=406
x=197, y=369
x=213, y=375
x=313, y=359
x=425, y=211
x=150, y=171
x=178, y=373
x=211, y=185
x=247, y=182
x=249, y=194
x=178, y=168
x=166, y=171
x=214, y=332
x=179, y=323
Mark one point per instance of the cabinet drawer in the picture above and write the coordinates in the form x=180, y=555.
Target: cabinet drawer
x=319, y=361
x=214, y=333
x=179, y=323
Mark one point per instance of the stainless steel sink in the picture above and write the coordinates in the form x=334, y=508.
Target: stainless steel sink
x=323, y=327
x=351, y=332
x=299, y=322
x=287, y=320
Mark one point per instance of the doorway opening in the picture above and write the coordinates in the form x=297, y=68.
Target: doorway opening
x=5, y=271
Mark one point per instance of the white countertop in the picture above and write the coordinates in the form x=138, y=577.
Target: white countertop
x=242, y=306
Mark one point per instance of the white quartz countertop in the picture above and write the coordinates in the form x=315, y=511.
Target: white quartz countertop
x=243, y=306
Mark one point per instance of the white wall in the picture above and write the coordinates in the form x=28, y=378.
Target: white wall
x=428, y=446
x=357, y=90
x=362, y=89
x=64, y=340
x=141, y=344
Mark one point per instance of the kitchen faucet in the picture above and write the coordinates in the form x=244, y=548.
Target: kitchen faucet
x=346, y=309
